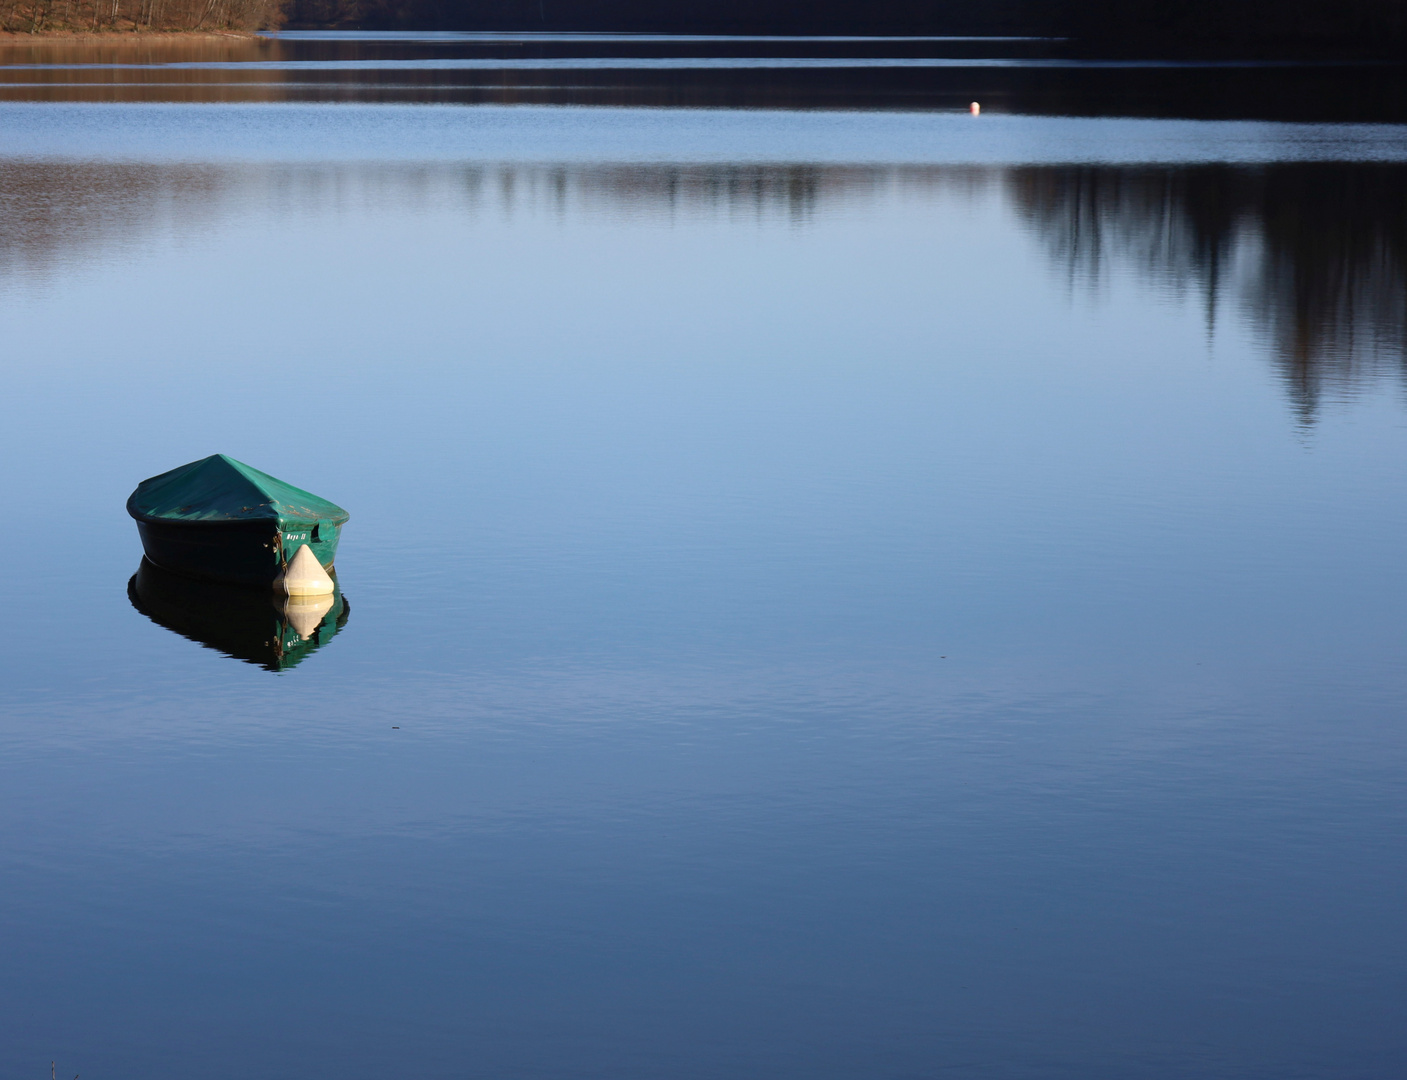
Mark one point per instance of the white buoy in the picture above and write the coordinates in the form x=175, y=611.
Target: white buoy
x=305, y=576
x=975, y=109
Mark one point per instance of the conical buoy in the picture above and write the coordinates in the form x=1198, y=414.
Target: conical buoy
x=975, y=108
x=305, y=576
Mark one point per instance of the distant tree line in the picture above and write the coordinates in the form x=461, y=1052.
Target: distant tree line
x=1236, y=27
x=1108, y=27
x=675, y=16
x=1306, y=28
x=39, y=16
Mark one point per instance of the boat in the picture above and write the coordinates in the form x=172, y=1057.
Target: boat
x=222, y=520
x=254, y=625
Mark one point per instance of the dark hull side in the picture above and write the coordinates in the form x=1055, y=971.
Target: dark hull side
x=244, y=553
x=237, y=552
x=247, y=624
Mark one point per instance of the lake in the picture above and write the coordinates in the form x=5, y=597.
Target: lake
x=836, y=586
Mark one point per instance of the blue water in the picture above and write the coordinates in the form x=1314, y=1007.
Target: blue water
x=831, y=595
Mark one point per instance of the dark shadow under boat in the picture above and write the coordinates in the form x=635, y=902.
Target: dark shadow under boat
x=258, y=626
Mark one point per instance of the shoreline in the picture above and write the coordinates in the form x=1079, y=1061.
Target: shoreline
x=114, y=37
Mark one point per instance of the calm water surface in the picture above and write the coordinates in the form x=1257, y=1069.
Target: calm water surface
x=828, y=594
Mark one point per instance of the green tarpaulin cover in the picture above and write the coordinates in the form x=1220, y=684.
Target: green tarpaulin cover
x=219, y=488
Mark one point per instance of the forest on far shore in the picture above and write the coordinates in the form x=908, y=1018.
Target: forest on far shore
x=1150, y=28
x=101, y=16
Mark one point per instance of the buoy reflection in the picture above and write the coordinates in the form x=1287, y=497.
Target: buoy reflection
x=257, y=626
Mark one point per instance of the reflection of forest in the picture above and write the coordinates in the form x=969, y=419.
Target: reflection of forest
x=790, y=191
x=1314, y=254
x=54, y=212
x=868, y=74
x=138, y=67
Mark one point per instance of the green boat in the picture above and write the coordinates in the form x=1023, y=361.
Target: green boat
x=222, y=520
x=252, y=625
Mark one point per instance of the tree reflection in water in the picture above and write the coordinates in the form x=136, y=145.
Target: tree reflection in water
x=1314, y=254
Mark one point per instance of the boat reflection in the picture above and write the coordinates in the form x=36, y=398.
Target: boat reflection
x=257, y=626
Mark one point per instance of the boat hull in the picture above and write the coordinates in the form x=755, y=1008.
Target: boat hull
x=237, y=552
